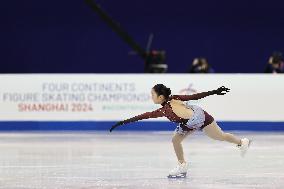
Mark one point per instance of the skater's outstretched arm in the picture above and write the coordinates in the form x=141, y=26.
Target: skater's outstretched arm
x=147, y=115
x=220, y=91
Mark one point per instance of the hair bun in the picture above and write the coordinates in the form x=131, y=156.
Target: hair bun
x=168, y=90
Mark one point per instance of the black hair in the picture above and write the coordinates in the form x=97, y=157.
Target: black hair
x=161, y=89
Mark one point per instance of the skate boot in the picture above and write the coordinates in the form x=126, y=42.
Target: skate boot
x=179, y=171
x=245, y=143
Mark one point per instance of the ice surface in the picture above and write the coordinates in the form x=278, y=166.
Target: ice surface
x=134, y=160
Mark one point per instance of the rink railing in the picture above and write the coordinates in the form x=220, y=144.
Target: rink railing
x=139, y=126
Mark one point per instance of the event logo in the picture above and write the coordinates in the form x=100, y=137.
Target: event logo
x=188, y=90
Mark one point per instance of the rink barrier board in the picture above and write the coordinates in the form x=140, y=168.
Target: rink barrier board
x=139, y=126
x=100, y=97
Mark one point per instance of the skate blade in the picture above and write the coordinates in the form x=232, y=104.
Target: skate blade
x=182, y=175
x=250, y=141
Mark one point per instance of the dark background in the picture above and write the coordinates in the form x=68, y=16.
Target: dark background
x=66, y=36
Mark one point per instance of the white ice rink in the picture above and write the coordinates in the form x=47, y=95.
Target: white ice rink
x=88, y=160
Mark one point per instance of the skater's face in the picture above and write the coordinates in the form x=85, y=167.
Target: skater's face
x=157, y=99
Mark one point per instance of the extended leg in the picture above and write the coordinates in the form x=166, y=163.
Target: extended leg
x=215, y=132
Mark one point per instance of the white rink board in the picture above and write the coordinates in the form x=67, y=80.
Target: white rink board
x=109, y=97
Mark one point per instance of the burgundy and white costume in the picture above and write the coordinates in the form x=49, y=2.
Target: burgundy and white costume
x=199, y=119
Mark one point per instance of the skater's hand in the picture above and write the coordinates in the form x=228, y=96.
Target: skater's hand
x=221, y=90
x=116, y=125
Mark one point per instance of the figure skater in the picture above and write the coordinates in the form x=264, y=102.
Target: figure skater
x=189, y=118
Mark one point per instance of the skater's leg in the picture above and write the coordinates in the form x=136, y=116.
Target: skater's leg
x=176, y=140
x=182, y=167
x=215, y=132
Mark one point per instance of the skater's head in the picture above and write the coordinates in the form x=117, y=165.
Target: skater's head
x=160, y=93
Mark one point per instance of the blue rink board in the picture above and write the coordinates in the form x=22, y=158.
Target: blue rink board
x=138, y=126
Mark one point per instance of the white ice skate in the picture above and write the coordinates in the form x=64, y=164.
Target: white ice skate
x=179, y=171
x=245, y=143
